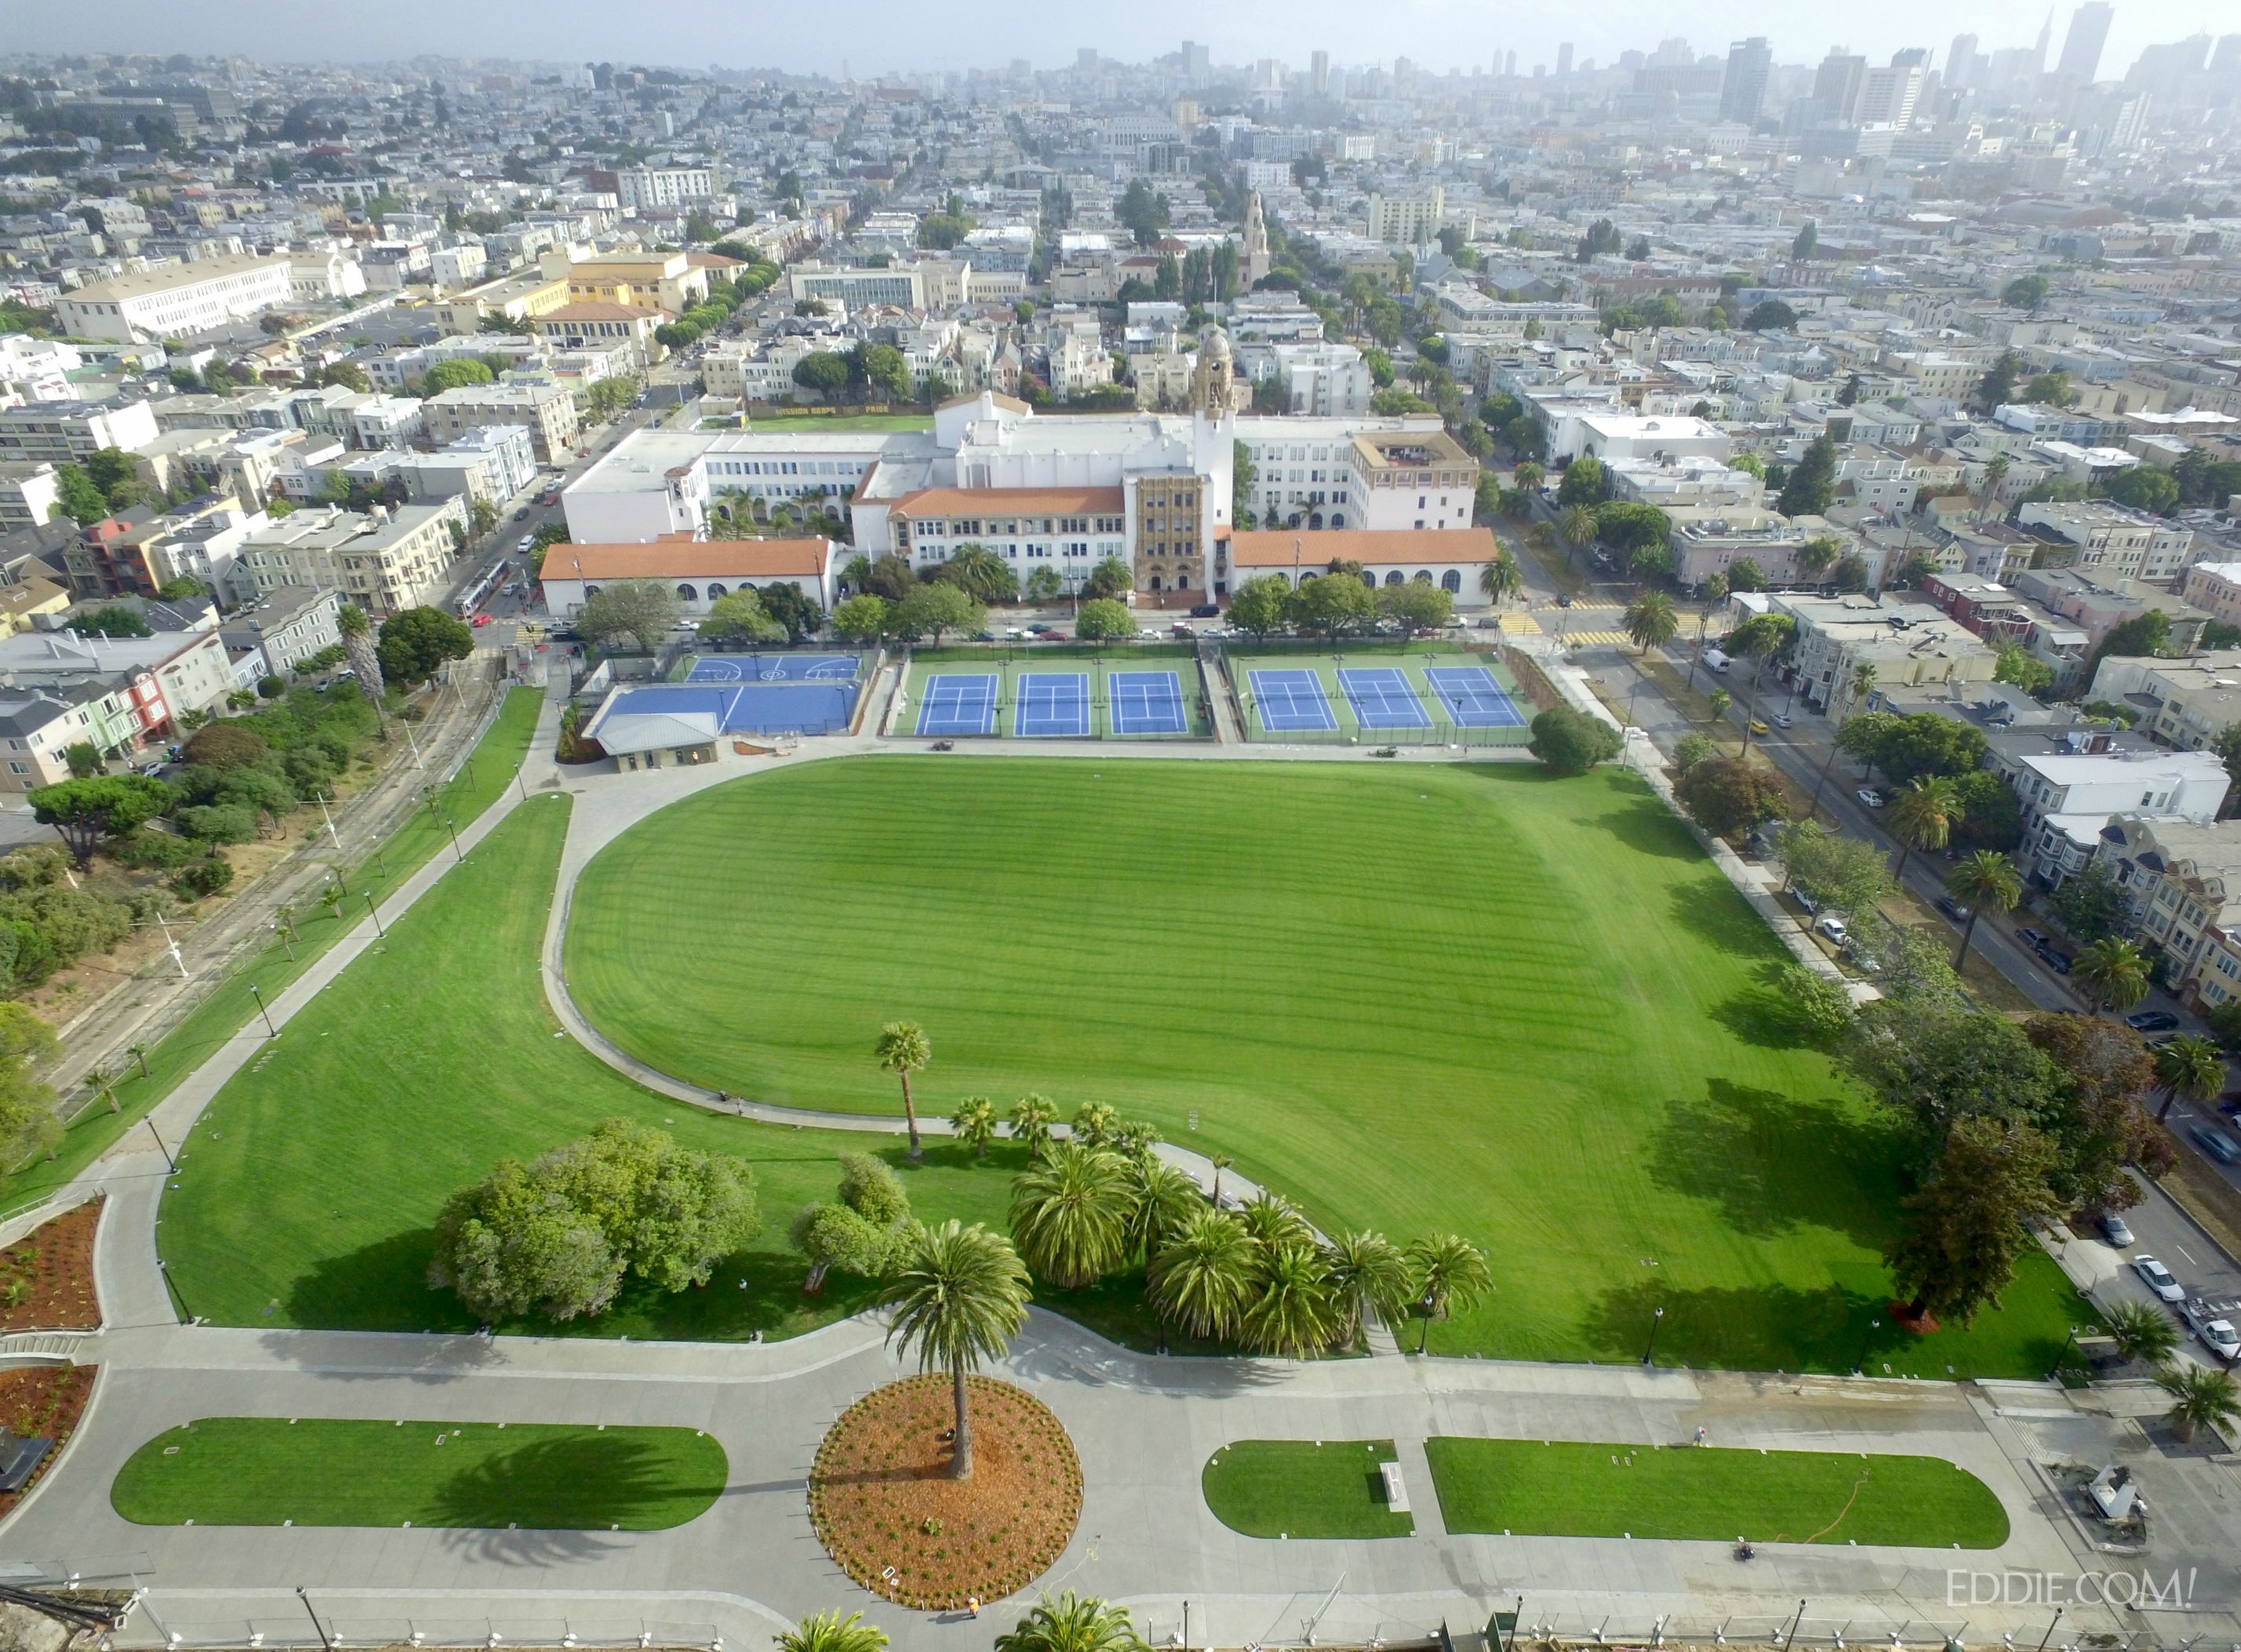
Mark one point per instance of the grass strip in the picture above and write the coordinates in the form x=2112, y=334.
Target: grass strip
x=1303, y=1488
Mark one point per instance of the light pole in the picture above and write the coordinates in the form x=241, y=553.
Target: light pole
x=173, y=1163
x=452, y=827
x=374, y=912
x=2048, y=1635
x=271, y=1030
x=1655, y=1320
x=316, y=1624
x=172, y=1285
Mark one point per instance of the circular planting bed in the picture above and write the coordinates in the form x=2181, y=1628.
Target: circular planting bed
x=885, y=1508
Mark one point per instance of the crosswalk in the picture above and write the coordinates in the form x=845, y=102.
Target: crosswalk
x=1576, y=625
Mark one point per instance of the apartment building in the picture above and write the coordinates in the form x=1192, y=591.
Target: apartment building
x=547, y=411
x=2184, y=703
x=2111, y=540
x=178, y=300
x=36, y=370
x=1403, y=220
x=385, y=560
x=2214, y=587
x=655, y=189
x=72, y=432
x=671, y=281
x=30, y=492
x=901, y=286
x=2068, y=796
x=2181, y=879
x=130, y=690
x=286, y=624
x=522, y=296
x=1911, y=645
x=592, y=324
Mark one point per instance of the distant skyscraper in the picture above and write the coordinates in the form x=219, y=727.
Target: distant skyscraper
x=1961, y=60
x=2081, y=49
x=1743, y=91
x=1510, y=67
x=1888, y=96
x=1563, y=60
x=1198, y=63
x=1836, y=85
x=1320, y=73
x=2225, y=60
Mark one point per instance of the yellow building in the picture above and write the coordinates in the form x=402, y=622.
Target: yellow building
x=523, y=295
x=671, y=281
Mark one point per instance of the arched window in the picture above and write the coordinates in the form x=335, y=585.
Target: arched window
x=1394, y=577
x=590, y=592
x=1369, y=579
x=688, y=593
x=715, y=592
x=1424, y=576
x=1315, y=520
x=1452, y=580
x=1338, y=518
x=1182, y=582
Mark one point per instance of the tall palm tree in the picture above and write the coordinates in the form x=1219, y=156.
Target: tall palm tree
x=138, y=1053
x=1220, y=1162
x=101, y=1084
x=2141, y=1331
x=974, y=1124
x=1451, y=1273
x=1072, y=1624
x=902, y=1050
x=1031, y=1121
x=1297, y=1313
x=1529, y=474
x=1095, y=1123
x=1202, y=1277
x=1272, y=1223
x=1861, y=683
x=1986, y=879
x=1164, y=1199
x=1369, y=1275
x=830, y=1632
x=2199, y=1396
x=1922, y=818
x=2111, y=973
x=358, y=643
x=1577, y=527
x=1651, y=621
x=960, y=1297
x=1502, y=579
x=2188, y=1066
x=1994, y=473
x=1070, y=1212
x=1716, y=593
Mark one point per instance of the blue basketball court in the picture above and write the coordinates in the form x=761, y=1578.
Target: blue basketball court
x=1053, y=705
x=958, y=704
x=1382, y=697
x=774, y=668
x=1146, y=702
x=1291, y=700
x=1473, y=698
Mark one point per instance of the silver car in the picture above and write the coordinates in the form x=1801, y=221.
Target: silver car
x=2158, y=1278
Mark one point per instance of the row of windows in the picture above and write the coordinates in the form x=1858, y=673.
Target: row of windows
x=787, y=467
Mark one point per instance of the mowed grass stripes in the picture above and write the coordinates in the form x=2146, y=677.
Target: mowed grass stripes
x=1414, y=997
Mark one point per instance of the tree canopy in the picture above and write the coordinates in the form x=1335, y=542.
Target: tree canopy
x=414, y=643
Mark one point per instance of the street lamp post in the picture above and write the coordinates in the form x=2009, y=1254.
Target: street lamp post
x=1656, y=1321
x=451, y=826
x=173, y=1164
x=172, y=1285
x=316, y=1624
x=2048, y=1635
x=374, y=912
x=271, y=1031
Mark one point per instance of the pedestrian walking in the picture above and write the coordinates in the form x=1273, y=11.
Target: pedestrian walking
x=973, y=1604
x=1701, y=1435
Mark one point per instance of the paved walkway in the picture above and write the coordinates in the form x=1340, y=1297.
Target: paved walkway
x=1145, y=1426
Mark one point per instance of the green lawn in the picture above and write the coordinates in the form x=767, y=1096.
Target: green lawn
x=268, y=1471
x=1567, y=1490
x=1303, y=1488
x=229, y=1007
x=308, y=1189
x=1416, y=998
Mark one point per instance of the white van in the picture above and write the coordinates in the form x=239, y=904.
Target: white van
x=1714, y=660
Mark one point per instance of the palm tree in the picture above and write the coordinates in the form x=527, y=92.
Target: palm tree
x=138, y=1053
x=1165, y=1198
x=960, y=1297
x=1922, y=818
x=358, y=643
x=1070, y=1211
x=283, y=921
x=1204, y=1275
x=1651, y=620
x=1072, y=1625
x=1862, y=683
x=974, y=1124
x=1719, y=699
x=2111, y=973
x=830, y=1632
x=1369, y=1275
x=2141, y=1331
x=1451, y=1273
x=101, y=1085
x=1502, y=579
x=1529, y=474
x=1994, y=473
x=1272, y=1223
x=2188, y=1066
x=1577, y=527
x=1221, y=1161
x=1031, y=1118
x=1986, y=879
x=1716, y=593
x=903, y=1050
x=1297, y=1314
x=2199, y=1395
x=1093, y=1123
x=1541, y=537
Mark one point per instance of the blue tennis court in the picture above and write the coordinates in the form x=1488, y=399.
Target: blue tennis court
x=1146, y=702
x=774, y=668
x=958, y=704
x=749, y=708
x=1473, y=698
x=1053, y=705
x=1290, y=699
x=1382, y=697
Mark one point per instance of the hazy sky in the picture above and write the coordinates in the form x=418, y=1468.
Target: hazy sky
x=874, y=36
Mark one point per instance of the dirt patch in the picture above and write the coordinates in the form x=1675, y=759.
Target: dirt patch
x=46, y=1277
x=44, y=1403
x=886, y=1510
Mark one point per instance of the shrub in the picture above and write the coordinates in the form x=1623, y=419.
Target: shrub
x=270, y=687
x=227, y=746
x=1692, y=749
x=155, y=851
x=217, y=823
x=1570, y=742
x=1725, y=794
x=205, y=877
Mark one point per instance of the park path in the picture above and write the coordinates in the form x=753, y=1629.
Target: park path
x=1144, y=1426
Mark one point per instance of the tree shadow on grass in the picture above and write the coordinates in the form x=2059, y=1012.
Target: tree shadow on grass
x=1647, y=827
x=1774, y=1162
x=380, y=1286
x=1765, y=1016
x=1766, y=1328
x=1709, y=908
x=583, y=1482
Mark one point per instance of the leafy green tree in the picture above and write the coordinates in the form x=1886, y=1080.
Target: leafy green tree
x=1570, y=742
x=2141, y=1331
x=1110, y=578
x=797, y=613
x=959, y=1298
x=2025, y=292
x=640, y=611
x=78, y=496
x=2110, y=974
x=1102, y=618
x=1984, y=881
x=980, y=574
x=1042, y=585
x=2018, y=666
x=416, y=643
x=865, y=618
x=1416, y=604
x=1072, y=1624
x=1070, y=1211
x=738, y=616
x=830, y=1632
x=1725, y=794
x=1969, y=1224
x=454, y=375
x=1584, y=483
x=1820, y=1007
x=28, y=1124
x=1450, y=1273
x=1691, y=749
x=1635, y=531
x=866, y=1230
x=822, y=373
x=1841, y=872
x=1332, y=605
x=1769, y=315
x=2201, y=1398
x=1812, y=485
x=1806, y=241
x=1261, y=604
x=930, y=610
x=974, y=1124
x=83, y=760
x=902, y=1050
x=83, y=812
x=1031, y=1120
x=2146, y=487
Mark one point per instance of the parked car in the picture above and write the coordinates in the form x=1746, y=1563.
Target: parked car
x=1181, y=630
x=1869, y=795
x=1953, y=909
x=528, y=544
x=551, y=495
x=945, y=745
x=2053, y=957
x=1147, y=634
x=2210, y=1319
x=481, y=620
x=1805, y=897
x=2152, y=1021
x=2116, y=1231
x=1833, y=926
x=2158, y=1278
x=1861, y=959
x=2031, y=938
x=2216, y=1143
x=522, y=515
x=1783, y=719
x=1206, y=611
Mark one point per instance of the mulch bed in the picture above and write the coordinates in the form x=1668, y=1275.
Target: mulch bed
x=43, y=1402
x=886, y=1510
x=46, y=1277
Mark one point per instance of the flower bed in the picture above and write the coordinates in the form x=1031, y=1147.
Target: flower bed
x=884, y=1507
x=44, y=1402
x=46, y=1277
